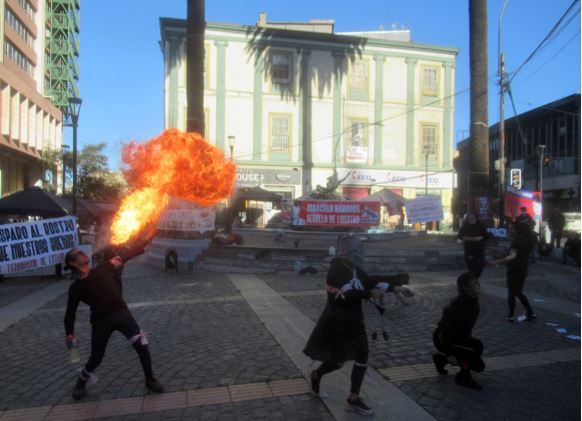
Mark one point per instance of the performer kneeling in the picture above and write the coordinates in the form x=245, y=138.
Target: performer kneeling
x=101, y=289
x=340, y=333
x=453, y=337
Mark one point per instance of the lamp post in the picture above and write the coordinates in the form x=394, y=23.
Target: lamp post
x=541, y=186
x=426, y=150
x=228, y=224
x=64, y=151
x=75, y=107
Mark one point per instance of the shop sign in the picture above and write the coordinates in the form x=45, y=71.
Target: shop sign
x=251, y=177
x=397, y=178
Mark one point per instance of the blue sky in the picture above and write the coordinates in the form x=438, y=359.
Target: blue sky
x=121, y=66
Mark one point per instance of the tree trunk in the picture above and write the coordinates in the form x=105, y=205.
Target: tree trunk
x=479, y=146
x=195, y=26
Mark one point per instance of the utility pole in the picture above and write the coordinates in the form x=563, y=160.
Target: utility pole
x=501, y=74
x=195, y=25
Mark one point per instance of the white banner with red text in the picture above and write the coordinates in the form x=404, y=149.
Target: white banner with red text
x=36, y=244
x=340, y=213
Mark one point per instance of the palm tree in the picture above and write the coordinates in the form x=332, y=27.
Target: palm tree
x=195, y=26
x=479, y=131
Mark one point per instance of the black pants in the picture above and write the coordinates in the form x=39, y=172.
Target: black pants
x=124, y=323
x=358, y=371
x=475, y=264
x=515, y=282
x=467, y=353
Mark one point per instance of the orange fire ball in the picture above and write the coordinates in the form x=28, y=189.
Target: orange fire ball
x=178, y=164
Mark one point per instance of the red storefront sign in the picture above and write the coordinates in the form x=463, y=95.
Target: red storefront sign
x=516, y=199
x=338, y=213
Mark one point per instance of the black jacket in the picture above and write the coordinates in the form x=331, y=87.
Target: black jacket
x=459, y=318
x=101, y=290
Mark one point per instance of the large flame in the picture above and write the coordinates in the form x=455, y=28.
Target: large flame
x=176, y=164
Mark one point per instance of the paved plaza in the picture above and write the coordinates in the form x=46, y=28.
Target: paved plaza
x=228, y=347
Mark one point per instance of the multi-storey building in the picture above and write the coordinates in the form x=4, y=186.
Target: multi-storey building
x=38, y=73
x=555, y=127
x=299, y=101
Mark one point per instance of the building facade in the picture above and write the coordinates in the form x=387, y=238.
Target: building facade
x=555, y=126
x=38, y=74
x=299, y=101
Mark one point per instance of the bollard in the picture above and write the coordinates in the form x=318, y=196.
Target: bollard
x=171, y=260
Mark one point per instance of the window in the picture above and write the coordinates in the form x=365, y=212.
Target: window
x=357, y=141
x=359, y=76
x=17, y=57
x=280, y=133
x=17, y=26
x=281, y=68
x=428, y=141
x=430, y=81
x=27, y=8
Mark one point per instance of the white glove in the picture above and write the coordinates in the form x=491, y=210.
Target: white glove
x=383, y=286
x=347, y=287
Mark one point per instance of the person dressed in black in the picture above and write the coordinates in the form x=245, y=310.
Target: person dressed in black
x=556, y=222
x=572, y=249
x=340, y=333
x=473, y=234
x=522, y=246
x=453, y=336
x=525, y=217
x=101, y=289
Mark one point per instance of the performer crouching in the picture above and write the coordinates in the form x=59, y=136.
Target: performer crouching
x=101, y=289
x=340, y=333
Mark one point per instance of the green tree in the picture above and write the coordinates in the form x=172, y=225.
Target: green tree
x=96, y=181
x=50, y=161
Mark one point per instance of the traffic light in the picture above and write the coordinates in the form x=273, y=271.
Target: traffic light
x=547, y=161
x=515, y=178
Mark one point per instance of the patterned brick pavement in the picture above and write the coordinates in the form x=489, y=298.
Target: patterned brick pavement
x=206, y=340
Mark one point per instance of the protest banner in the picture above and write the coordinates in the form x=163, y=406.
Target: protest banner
x=338, y=213
x=424, y=209
x=195, y=219
x=35, y=244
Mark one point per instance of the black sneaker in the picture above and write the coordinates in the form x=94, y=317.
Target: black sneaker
x=531, y=317
x=79, y=391
x=464, y=379
x=315, y=382
x=440, y=360
x=154, y=385
x=358, y=406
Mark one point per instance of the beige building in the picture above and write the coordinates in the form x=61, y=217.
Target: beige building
x=301, y=101
x=37, y=76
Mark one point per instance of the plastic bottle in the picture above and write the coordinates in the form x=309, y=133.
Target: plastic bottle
x=74, y=354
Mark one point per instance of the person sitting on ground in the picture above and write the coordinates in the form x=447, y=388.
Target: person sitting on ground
x=340, y=334
x=101, y=289
x=473, y=235
x=453, y=336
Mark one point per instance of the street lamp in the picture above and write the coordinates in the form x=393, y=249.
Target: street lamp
x=541, y=186
x=64, y=152
x=231, y=140
x=228, y=225
x=75, y=107
x=426, y=152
